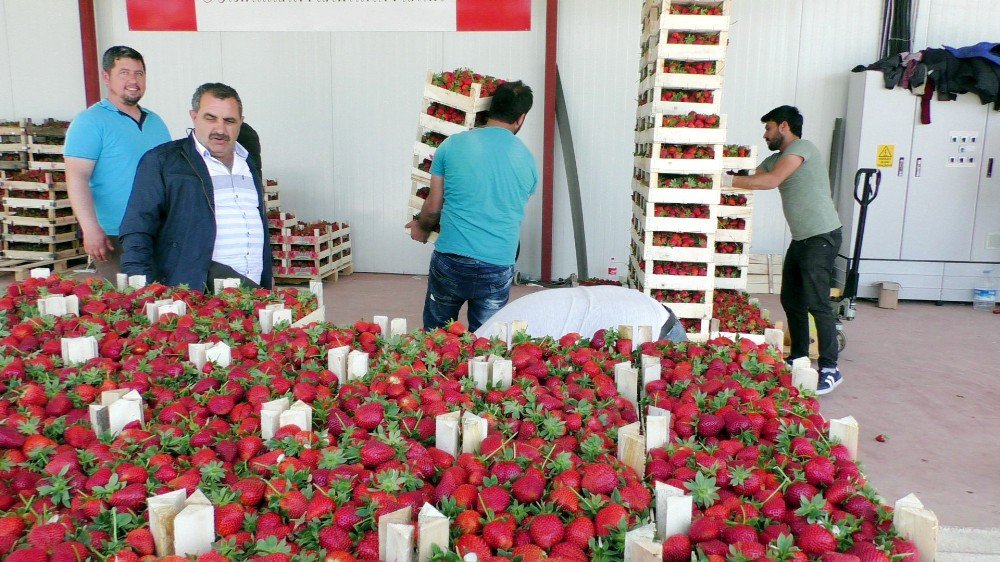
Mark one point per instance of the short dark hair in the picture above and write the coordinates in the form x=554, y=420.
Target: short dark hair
x=219, y=91
x=112, y=55
x=511, y=100
x=786, y=113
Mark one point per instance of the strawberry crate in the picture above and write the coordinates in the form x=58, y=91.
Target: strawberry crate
x=14, y=203
x=679, y=101
x=41, y=251
x=281, y=220
x=731, y=277
x=646, y=217
x=652, y=129
x=305, y=266
x=731, y=232
x=673, y=74
x=647, y=278
x=40, y=217
x=13, y=128
x=658, y=46
x=645, y=246
x=44, y=145
x=475, y=102
x=34, y=180
x=694, y=195
x=45, y=161
x=38, y=233
x=14, y=161
x=732, y=254
x=747, y=160
x=48, y=129
x=651, y=157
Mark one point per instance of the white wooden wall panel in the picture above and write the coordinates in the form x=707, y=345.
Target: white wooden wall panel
x=337, y=113
x=41, y=40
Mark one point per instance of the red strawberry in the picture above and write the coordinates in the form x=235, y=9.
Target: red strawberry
x=599, y=479
x=47, y=535
x=579, y=531
x=249, y=447
x=294, y=503
x=868, y=552
x=546, y=530
x=819, y=471
x=131, y=497
x=229, y=519
x=608, y=519
x=334, y=538
x=27, y=555
x=69, y=552
x=249, y=491
x=529, y=488
x=11, y=526
x=369, y=416
x=141, y=540
x=474, y=544
x=815, y=540
x=499, y=534
x=705, y=529
x=375, y=452
x=839, y=557
x=566, y=499
x=636, y=495
x=677, y=549
x=494, y=498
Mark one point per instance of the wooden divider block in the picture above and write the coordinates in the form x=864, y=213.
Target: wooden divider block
x=153, y=309
x=434, y=529
x=500, y=332
x=336, y=361
x=161, y=511
x=446, y=432
x=59, y=306
x=625, y=332
x=219, y=353
x=775, y=338
x=40, y=272
x=272, y=315
x=805, y=378
x=627, y=381
x=194, y=526
x=713, y=328
x=632, y=447
x=673, y=511
x=124, y=281
x=657, y=428
x=316, y=288
x=801, y=363
x=502, y=372
x=518, y=326
x=117, y=409
x=397, y=327
x=473, y=432
x=78, y=350
x=399, y=539
x=918, y=524
x=846, y=430
x=270, y=416
x=383, y=324
x=641, y=545
x=479, y=370
x=228, y=283
x=644, y=334
x=298, y=414
x=357, y=365
x=402, y=517
x=651, y=370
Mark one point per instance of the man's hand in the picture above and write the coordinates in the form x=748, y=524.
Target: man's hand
x=417, y=232
x=97, y=245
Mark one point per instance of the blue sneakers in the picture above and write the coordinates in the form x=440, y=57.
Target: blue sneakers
x=829, y=379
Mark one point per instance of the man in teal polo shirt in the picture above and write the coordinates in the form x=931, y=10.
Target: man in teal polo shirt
x=103, y=147
x=480, y=182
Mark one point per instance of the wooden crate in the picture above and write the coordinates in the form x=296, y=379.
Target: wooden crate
x=656, y=47
x=735, y=260
x=12, y=203
x=6, y=182
x=646, y=249
x=745, y=163
x=733, y=211
x=47, y=128
x=672, y=224
x=54, y=251
x=39, y=146
x=733, y=283
x=473, y=103
x=655, y=105
x=654, y=163
x=11, y=130
x=673, y=195
x=651, y=130
x=678, y=282
x=34, y=163
x=54, y=217
x=21, y=268
x=657, y=78
x=14, y=165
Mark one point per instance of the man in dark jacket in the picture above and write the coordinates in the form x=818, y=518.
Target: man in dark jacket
x=197, y=206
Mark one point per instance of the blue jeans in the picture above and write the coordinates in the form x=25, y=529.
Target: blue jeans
x=454, y=280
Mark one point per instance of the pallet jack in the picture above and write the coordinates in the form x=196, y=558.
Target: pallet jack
x=864, y=193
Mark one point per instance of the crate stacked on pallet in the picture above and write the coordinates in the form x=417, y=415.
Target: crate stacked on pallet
x=303, y=251
x=38, y=227
x=272, y=201
x=735, y=212
x=45, y=144
x=13, y=145
x=678, y=158
x=453, y=102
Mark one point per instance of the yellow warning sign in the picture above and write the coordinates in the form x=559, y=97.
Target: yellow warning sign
x=885, y=155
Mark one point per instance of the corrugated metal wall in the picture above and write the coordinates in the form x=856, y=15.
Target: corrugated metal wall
x=338, y=112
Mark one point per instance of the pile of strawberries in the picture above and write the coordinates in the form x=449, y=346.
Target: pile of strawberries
x=679, y=268
x=37, y=176
x=545, y=484
x=462, y=79
x=681, y=210
x=731, y=223
x=689, y=66
x=671, y=295
x=310, y=228
x=670, y=181
x=692, y=119
x=433, y=139
x=736, y=314
x=680, y=239
x=728, y=247
x=735, y=151
x=733, y=200
x=687, y=96
x=687, y=152
x=446, y=113
x=695, y=10
x=692, y=38
x=727, y=271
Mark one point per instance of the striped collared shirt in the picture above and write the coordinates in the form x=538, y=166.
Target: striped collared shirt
x=239, y=232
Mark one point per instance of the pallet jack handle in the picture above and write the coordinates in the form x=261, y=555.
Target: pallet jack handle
x=864, y=194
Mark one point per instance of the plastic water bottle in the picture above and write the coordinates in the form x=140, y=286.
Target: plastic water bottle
x=613, y=268
x=984, y=295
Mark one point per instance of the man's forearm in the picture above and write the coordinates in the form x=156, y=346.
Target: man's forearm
x=428, y=220
x=754, y=182
x=81, y=199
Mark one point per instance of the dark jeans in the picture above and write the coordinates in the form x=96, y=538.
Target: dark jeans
x=805, y=289
x=454, y=280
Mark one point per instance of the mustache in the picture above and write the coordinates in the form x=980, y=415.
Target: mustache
x=216, y=136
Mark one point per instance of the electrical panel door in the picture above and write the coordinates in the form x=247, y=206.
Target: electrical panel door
x=986, y=234
x=878, y=132
x=944, y=181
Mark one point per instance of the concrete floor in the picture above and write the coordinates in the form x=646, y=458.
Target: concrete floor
x=927, y=377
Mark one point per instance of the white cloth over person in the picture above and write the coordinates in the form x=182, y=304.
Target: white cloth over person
x=583, y=310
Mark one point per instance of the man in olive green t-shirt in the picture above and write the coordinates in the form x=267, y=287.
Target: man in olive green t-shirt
x=797, y=170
